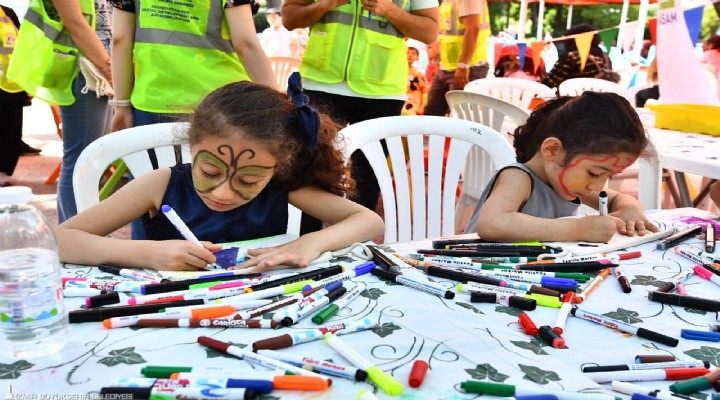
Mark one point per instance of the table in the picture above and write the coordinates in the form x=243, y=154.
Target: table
x=459, y=339
x=686, y=152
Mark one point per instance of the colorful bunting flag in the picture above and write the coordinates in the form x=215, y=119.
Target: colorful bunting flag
x=608, y=37
x=537, y=48
x=583, y=42
x=522, y=50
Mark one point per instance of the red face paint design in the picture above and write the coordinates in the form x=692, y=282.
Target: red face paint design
x=577, y=177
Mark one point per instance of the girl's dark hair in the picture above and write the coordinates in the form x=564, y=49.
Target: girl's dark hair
x=592, y=123
x=268, y=116
x=714, y=42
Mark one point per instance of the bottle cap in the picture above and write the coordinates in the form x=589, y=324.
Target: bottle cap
x=14, y=195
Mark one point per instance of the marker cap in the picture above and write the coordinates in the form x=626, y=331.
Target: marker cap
x=100, y=314
x=259, y=385
x=691, y=385
x=527, y=325
x=483, y=297
x=522, y=303
x=385, y=381
x=630, y=255
x=103, y=299
x=162, y=372
x=364, y=268
x=300, y=382
x=640, y=396
x=654, y=358
x=495, y=389
x=325, y=314
x=545, y=301
x=417, y=373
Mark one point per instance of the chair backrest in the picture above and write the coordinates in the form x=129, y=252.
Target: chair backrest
x=576, y=86
x=419, y=201
x=282, y=67
x=132, y=145
x=519, y=92
x=489, y=111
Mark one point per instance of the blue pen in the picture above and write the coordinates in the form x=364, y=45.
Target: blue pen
x=700, y=335
x=361, y=269
x=640, y=396
x=537, y=397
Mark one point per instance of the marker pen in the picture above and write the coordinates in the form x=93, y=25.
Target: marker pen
x=587, y=266
x=428, y=287
x=635, y=367
x=624, y=327
x=306, y=301
x=313, y=307
x=255, y=323
x=180, y=393
x=631, y=388
x=622, y=279
x=502, y=390
x=314, y=275
x=672, y=283
x=349, y=274
x=378, y=376
x=504, y=299
x=535, y=278
x=164, y=371
x=549, y=336
x=700, y=335
x=320, y=366
x=213, y=312
x=309, y=335
x=592, y=285
x=603, y=202
x=589, y=258
x=326, y=313
x=216, y=285
x=698, y=256
x=252, y=357
x=180, y=225
x=81, y=292
x=139, y=276
x=460, y=276
x=256, y=384
x=706, y=274
x=647, y=375
x=699, y=303
x=238, y=305
x=114, y=286
x=696, y=384
x=242, y=374
x=185, y=284
x=567, y=303
x=678, y=237
x=710, y=237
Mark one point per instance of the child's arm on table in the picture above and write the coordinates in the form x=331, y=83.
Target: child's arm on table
x=626, y=210
x=349, y=223
x=500, y=220
x=82, y=239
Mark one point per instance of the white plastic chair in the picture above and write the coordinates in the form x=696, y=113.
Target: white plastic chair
x=479, y=167
x=131, y=146
x=576, y=86
x=519, y=92
x=419, y=202
x=282, y=67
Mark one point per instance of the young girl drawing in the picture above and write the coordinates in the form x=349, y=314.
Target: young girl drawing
x=566, y=152
x=253, y=151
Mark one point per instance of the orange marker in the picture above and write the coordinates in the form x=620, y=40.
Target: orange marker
x=592, y=285
x=300, y=382
x=198, y=313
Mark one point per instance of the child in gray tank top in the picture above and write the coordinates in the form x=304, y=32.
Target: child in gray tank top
x=566, y=152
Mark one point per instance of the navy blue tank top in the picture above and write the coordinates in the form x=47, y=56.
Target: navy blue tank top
x=266, y=215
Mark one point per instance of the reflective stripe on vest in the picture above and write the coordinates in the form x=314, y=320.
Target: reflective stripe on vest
x=60, y=37
x=193, y=34
x=365, y=50
x=451, y=35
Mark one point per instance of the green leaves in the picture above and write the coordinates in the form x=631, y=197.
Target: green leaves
x=695, y=311
x=706, y=353
x=538, y=375
x=14, y=370
x=469, y=307
x=486, y=371
x=628, y=316
x=385, y=329
x=514, y=311
x=535, y=345
x=122, y=356
x=372, y=294
x=647, y=280
x=212, y=353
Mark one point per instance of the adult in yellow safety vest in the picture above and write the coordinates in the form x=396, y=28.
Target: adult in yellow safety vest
x=46, y=63
x=169, y=55
x=355, y=64
x=12, y=99
x=464, y=31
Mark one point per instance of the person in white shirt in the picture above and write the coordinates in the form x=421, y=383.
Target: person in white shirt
x=276, y=40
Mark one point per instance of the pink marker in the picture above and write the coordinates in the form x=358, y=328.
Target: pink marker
x=706, y=274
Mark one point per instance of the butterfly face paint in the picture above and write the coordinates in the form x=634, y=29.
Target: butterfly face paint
x=210, y=171
x=585, y=175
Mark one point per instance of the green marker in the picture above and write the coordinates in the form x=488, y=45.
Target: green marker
x=696, y=384
x=501, y=390
x=164, y=372
x=205, y=285
x=327, y=312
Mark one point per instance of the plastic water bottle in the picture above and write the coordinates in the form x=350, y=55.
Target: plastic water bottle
x=33, y=321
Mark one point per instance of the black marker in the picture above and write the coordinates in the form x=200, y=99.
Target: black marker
x=699, y=303
x=679, y=237
x=710, y=238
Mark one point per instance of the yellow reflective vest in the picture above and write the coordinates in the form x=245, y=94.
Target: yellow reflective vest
x=451, y=35
x=8, y=36
x=45, y=59
x=182, y=52
x=350, y=44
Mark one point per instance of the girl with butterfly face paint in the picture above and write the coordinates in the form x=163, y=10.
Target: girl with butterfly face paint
x=253, y=151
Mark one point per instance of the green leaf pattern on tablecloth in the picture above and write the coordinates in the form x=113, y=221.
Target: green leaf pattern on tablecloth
x=628, y=316
x=706, y=353
x=469, y=307
x=14, y=370
x=534, y=345
x=538, y=375
x=372, y=293
x=514, y=311
x=385, y=329
x=122, y=356
x=647, y=280
x=212, y=353
x=486, y=371
x=694, y=311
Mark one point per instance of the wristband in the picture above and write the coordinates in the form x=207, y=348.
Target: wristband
x=463, y=66
x=119, y=103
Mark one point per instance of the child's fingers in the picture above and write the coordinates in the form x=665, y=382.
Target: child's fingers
x=200, y=256
x=260, y=251
x=211, y=246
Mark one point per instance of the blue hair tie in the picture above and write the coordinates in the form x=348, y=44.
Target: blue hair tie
x=309, y=117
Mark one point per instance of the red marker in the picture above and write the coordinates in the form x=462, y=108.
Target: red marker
x=567, y=302
x=527, y=325
x=417, y=373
